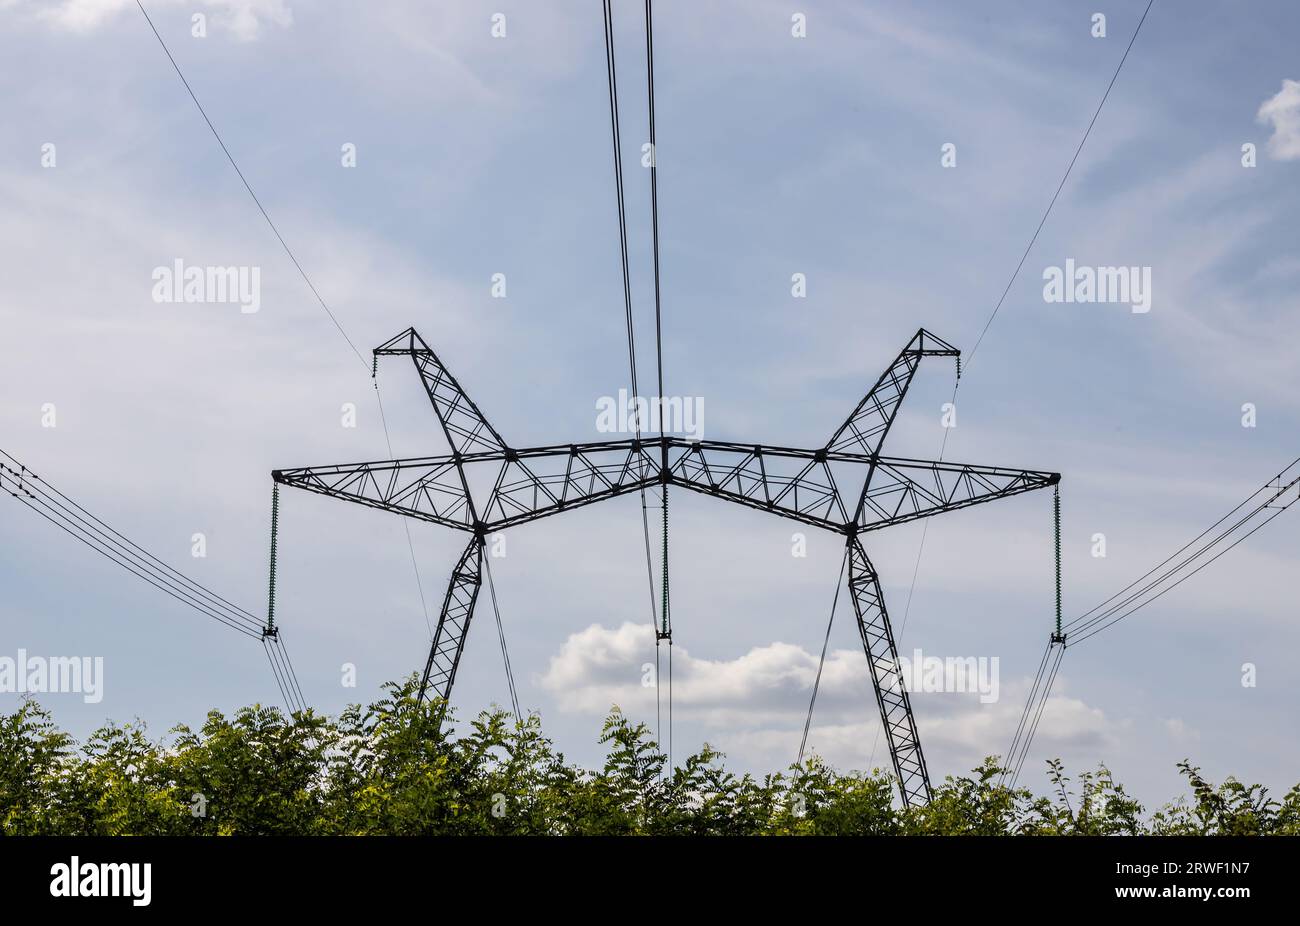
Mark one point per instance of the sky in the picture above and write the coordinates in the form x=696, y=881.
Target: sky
x=820, y=155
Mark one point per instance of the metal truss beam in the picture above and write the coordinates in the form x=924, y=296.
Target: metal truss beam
x=537, y=482
x=900, y=490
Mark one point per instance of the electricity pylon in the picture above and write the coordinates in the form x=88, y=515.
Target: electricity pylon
x=531, y=483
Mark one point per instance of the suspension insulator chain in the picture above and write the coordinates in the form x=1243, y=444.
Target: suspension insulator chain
x=1058, y=637
x=665, y=631
x=269, y=630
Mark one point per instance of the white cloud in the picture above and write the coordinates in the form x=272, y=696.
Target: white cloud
x=598, y=667
x=242, y=18
x=757, y=703
x=1282, y=111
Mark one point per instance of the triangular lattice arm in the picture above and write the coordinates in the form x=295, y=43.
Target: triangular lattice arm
x=465, y=427
x=535, y=483
x=428, y=489
x=866, y=429
x=796, y=484
x=900, y=490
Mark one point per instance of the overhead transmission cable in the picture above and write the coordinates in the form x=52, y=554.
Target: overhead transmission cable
x=501, y=634
x=1144, y=590
x=1060, y=186
x=62, y=511
x=1015, y=275
x=611, y=74
x=1010, y=759
x=1052, y=655
x=310, y=285
x=665, y=598
x=1101, y=617
x=821, y=663
x=217, y=135
x=74, y=520
x=1034, y=707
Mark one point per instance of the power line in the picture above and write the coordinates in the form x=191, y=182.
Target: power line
x=1183, y=579
x=217, y=135
x=122, y=544
x=1079, y=625
x=665, y=599
x=1038, y=715
x=73, y=519
x=654, y=194
x=821, y=663
x=1101, y=617
x=1060, y=186
x=285, y=677
x=1002, y=298
x=72, y=528
x=1081, y=622
x=501, y=634
x=277, y=645
x=611, y=75
x=1011, y=753
x=410, y=544
x=307, y=279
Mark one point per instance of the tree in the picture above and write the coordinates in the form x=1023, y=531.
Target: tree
x=401, y=766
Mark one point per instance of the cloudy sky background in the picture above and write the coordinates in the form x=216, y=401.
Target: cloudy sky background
x=821, y=156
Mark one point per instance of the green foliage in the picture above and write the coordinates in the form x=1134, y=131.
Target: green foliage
x=394, y=767
x=35, y=765
x=1231, y=809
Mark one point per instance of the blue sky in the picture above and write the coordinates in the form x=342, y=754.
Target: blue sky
x=777, y=155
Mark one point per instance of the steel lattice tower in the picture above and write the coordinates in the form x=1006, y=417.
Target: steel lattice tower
x=805, y=485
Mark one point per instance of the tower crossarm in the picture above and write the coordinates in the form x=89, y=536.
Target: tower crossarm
x=512, y=486
x=795, y=483
x=900, y=490
x=542, y=481
x=428, y=488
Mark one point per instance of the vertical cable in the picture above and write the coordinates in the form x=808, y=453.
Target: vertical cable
x=666, y=630
x=821, y=663
x=611, y=68
x=501, y=634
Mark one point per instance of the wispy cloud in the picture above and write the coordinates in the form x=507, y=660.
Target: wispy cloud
x=244, y=19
